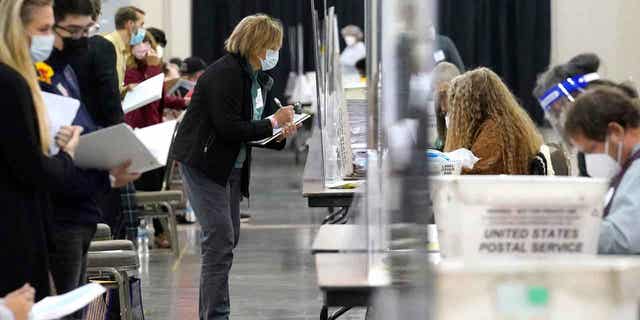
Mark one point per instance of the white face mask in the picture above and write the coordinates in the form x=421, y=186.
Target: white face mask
x=41, y=47
x=271, y=60
x=602, y=165
x=350, y=40
x=160, y=52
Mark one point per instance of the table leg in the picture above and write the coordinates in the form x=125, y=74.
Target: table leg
x=331, y=217
x=339, y=313
x=324, y=313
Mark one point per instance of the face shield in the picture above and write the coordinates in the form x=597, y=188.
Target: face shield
x=558, y=100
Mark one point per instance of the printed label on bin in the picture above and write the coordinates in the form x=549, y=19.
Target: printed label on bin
x=530, y=231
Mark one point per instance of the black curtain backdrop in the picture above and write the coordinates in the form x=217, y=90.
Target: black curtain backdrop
x=214, y=20
x=512, y=37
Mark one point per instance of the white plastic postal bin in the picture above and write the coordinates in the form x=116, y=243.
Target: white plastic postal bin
x=517, y=216
x=566, y=288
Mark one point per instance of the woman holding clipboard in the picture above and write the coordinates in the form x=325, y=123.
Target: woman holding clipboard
x=228, y=110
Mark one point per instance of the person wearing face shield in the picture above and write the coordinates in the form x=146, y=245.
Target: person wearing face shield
x=604, y=124
x=76, y=212
x=129, y=32
x=229, y=109
x=556, y=90
x=354, y=51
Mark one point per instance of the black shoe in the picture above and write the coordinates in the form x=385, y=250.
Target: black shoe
x=245, y=217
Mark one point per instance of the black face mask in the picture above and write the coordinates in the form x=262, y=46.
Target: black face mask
x=75, y=47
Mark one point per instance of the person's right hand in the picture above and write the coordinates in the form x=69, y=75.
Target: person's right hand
x=122, y=175
x=153, y=59
x=130, y=87
x=20, y=302
x=68, y=138
x=284, y=115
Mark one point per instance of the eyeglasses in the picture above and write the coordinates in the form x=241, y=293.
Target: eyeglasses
x=77, y=33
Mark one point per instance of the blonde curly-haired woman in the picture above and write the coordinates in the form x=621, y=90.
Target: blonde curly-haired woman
x=485, y=117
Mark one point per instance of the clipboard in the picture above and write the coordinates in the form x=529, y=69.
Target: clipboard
x=297, y=119
x=147, y=148
x=144, y=93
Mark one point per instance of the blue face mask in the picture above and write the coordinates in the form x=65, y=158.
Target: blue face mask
x=271, y=60
x=137, y=38
x=41, y=47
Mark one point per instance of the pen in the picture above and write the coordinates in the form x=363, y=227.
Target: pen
x=278, y=103
x=297, y=107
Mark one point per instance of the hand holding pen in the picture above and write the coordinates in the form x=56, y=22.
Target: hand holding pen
x=289, y=128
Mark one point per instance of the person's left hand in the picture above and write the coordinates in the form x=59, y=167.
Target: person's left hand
x=289, y=130
x=20, y=302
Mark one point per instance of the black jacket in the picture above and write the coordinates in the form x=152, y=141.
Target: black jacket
x=219, y=121
x=27, y=177
x=76, y=203
x=98, y=78
x=450, y=51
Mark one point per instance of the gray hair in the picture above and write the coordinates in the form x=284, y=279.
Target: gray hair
x=352, y=30
x=443, y=72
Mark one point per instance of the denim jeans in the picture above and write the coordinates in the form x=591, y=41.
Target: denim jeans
x=217, y=209
x=69, y=260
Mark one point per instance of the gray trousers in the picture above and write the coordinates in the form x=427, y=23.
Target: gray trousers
x=217, y=209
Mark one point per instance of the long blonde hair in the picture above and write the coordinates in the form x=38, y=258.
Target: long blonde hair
x=14, y=52
x=479, y=96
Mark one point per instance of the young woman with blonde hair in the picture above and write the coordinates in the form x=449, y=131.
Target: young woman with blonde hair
x=485, y=117
x=27, y=173
x=229, y=109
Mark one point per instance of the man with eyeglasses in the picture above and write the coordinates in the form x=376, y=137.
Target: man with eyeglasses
x=98, y=78
x=129, y=32
x=75, y=209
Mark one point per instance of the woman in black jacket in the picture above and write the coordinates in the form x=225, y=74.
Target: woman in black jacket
x=228, y=110
x=27, y=173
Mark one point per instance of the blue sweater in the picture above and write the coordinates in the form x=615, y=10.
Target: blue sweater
x=76, y=204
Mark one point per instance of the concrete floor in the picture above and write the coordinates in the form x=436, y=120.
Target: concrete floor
x=273, y=275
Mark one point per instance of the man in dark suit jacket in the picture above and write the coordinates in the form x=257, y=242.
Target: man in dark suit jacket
x=96, y=72
x=98, y=80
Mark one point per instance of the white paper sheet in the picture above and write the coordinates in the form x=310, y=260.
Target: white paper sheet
x=297, y=119
x=110, y=147
x=56, y=307
x=144, y=93
x=157, y=139
x=61, y=111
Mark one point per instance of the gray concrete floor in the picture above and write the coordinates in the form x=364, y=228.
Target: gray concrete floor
x=273, y=275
